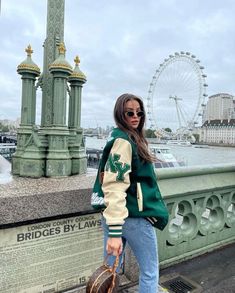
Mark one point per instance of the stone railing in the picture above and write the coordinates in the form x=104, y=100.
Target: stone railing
x=201, y=202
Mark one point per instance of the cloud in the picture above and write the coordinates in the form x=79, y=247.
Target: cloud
x=121, y=44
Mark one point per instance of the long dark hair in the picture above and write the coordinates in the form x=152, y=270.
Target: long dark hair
x=137, y=135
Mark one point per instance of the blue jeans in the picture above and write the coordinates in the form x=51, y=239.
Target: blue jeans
x=141, y=237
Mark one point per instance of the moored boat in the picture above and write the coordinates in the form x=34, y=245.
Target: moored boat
x=164, y=157
x=179, y=142
x=7, y=150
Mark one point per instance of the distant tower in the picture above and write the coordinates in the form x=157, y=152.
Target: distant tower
x=55, y=149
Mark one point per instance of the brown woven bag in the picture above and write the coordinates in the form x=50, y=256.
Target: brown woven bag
x=104, y=279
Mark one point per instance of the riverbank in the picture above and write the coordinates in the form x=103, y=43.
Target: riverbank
x=157, y=141
x=215, y=144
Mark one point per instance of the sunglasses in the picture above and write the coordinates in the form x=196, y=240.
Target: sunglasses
x=131, y=113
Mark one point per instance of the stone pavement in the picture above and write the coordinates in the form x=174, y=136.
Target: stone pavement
x=214, y=272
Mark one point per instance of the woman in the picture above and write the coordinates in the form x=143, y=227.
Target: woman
x=127, y=191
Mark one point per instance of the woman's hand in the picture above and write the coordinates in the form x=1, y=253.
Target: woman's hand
x=114, y=246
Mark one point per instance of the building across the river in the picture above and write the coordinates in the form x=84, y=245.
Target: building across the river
x=219, y=120
x=220, y=106
x=218, y=131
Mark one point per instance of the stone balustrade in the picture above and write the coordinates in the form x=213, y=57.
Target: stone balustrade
x=201, y=202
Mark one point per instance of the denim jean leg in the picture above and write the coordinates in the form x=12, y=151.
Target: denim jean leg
x=111, y=258
x=142, y=239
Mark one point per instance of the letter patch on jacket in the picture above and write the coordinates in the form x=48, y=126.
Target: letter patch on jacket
x=115, y=166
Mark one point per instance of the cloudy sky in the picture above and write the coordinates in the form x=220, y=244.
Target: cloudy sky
x=121, y=43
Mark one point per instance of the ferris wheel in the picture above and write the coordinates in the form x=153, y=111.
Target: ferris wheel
x=176, y=95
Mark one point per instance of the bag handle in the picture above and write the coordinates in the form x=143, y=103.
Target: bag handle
x=115, y=264
x=114, y=267
x=113, y=284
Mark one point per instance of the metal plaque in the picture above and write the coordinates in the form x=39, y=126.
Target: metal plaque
x=50, y=256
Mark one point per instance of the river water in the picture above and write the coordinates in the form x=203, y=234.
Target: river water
x=204, y=156
x=191, y=155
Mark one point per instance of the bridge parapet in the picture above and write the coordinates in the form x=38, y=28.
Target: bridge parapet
x=39, y=214
x=201, y=202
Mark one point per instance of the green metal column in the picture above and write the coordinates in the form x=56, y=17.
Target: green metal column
x=76, y=146
x=29, y=71
x=58, y=158
x=28, y=108
x=55, y=35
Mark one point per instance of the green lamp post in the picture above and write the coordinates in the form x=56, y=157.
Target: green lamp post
x=76, y=147
x=28, y=71
x=56, y=148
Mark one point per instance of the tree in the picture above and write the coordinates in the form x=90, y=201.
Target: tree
x=149, y=133
x=197, y=136
x=5, y=128
x=167, y=129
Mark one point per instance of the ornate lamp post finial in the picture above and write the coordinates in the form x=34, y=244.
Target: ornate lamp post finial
x=29, y=51
x=62, y=49
x=77, y=60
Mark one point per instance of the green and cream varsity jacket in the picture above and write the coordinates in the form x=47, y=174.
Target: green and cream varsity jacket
x=126, y=186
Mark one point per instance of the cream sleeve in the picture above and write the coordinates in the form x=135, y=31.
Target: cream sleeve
x=115, y=183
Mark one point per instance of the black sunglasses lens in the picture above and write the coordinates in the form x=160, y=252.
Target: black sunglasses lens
x=140, y=114
x=131, y=114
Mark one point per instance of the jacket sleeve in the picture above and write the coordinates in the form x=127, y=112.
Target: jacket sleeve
x=115, y=183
